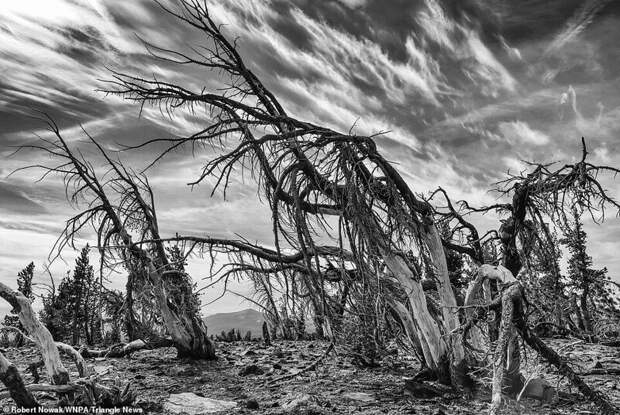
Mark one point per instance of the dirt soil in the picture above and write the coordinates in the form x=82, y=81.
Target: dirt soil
x=244, y=370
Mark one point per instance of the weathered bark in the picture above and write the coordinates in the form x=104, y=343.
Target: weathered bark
x=15, y=385
x=188, y=332
x=126, y=349
x=434, y=347
x=447, y=299
x=409, y=325
x=502, y=348
x=42, y=337
x=83, y=369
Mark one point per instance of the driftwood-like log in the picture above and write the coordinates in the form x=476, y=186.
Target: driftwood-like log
x=13, y=381
x=126, y=349
x=80, y=363
x=83, y=369
x=41, y=336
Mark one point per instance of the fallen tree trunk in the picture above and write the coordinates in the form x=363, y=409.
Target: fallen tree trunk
x=126, y=349
x=552, y=357
x=15, y=384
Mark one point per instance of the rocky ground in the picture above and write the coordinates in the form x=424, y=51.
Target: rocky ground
x=244, y=380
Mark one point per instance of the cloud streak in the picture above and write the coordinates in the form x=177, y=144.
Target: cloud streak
x=462, y=91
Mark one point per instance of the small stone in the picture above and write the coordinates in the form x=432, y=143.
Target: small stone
x=296, y=403
x=360, y=396
x=251, y=370
x=248, y=352
x=252, y=404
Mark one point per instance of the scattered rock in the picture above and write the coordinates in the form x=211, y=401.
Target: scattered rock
x=277, y=366
x=422, y=390
x=251, y=370
x=297, y=403
x=360, y=396
x=252, y=404
x=192, y=404
x=102, y=369
x=248, y=352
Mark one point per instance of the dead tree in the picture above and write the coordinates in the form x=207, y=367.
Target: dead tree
x=309, y=173
x=545, y=195
x=121, y=209
x=85, y=391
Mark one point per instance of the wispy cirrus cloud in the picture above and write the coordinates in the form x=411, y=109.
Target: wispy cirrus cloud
x=463, y=91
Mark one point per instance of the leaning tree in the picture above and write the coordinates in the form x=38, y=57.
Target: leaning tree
x=340, y=209
x=120, y=207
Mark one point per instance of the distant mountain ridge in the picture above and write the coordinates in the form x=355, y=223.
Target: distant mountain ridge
x=244, y=321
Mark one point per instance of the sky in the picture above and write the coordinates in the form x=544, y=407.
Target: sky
x=464, y=91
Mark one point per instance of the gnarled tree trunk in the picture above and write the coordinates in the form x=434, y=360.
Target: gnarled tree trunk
x=42, y=337
x=434, y=348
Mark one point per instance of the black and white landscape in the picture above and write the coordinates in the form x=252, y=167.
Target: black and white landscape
x=282, y=207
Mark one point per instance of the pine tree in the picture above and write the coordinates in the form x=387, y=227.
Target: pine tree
x=24, y=281
x=24, y=285
x=586, y=280
x=71, y=314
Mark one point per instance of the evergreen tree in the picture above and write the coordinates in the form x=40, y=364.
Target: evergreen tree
x=24, y=285
x=71, y=314
x=587, y=282
x=24, y=281
x=179, y=286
